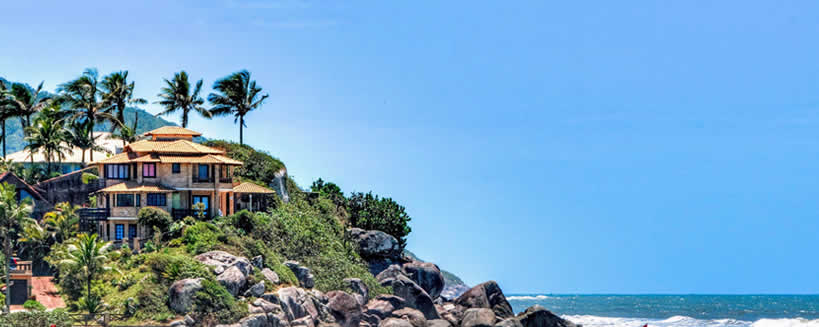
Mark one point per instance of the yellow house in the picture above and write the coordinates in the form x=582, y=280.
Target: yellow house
x=168, y=171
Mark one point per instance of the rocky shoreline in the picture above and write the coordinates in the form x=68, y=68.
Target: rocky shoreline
x=418, y=298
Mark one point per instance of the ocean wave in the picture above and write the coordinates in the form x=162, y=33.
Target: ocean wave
x=528, y=297
x=683, y=321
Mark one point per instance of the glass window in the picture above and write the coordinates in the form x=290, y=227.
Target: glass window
x=202, y=199
x=176, y=168
x=149, y=170
x=177, y=201
x=203, y=172
x=119, y=171
x=125, y=200
x=132, y=231
x=119, y=231
x=157, y=199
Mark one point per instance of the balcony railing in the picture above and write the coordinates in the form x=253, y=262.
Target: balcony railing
x=179, y=214
x=90, y=216
x=196, y=179
x=22, y=268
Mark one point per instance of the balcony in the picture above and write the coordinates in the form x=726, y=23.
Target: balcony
x=90, y=216
x=179, y=214
x=23, y=268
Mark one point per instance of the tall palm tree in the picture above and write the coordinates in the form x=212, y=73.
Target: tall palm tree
x=25, y=101
x=117, y=93
x=6, y=111
x=80, y=135
x=63, y=222
x=238, y=95
x=48, y=136
x=177, y=95
x=12, y=214
x=126, y=134
x=88, y=255
x=84, y=97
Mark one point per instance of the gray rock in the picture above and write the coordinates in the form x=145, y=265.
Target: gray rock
x=438, y=323
x=303, y=274
x=414, y=295
x=296, y=303
x=382, y=306
x=257, y=262
x=189, y=320
x=254, y=320
x=303, y=322
x=392, y=271
x=256, y=290
x=181, y=292
x=538, y=316
x=509, y=322
x=220, y=261
x=415, y=317
x=277, y=320
x=427, y=275
x=232, y=279
x=487, y=295
x=271, y=276
x=373, y=243
x=478, y=317
x=178, y=323
x=360, y=290
x=345, y=308
x=271, y=297
x=394, y=322
x=266, y=306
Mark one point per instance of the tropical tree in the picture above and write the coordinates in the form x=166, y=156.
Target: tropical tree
x=87, y=255
x=12, y=215
x=35, y=240
x=117, y=93
x=238, y=96
x=63, y=222
x=49, y=137
x=6, y=112
x=80, y=135
x=126, y=134
x=177, y=96
x=24, y=101
x=84, y=98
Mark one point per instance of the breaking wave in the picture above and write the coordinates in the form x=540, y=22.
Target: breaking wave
x=683, y=321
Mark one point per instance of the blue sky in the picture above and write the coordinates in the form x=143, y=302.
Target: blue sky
x=571, y=147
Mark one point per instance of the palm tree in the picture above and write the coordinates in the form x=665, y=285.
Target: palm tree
x=126, y=134
x=25, y=101
x=88, y=255
x=63, y=222
x=12, y=214
x=49, y=137
x=83, y=96
x=6, y=111
x=36, y=241
x=238, y=96
x=118, y=93
x=80, y=135
x=177, y=96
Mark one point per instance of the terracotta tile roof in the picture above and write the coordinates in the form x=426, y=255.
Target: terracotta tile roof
x=205, y=159
x=127, y=157
x=173, y=130
x=177, y=146
x=248, y=187
x=134, y=187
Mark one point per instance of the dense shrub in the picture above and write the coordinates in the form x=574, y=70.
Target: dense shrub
x=57, y=318
x=258, y=166
x=368, y=211
x=168, y=268
x=152, y=302
x=33, y=305
x=215, y=301
x=154, y=217
x=201, y=237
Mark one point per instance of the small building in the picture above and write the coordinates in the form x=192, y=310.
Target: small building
x=74, y=160
x=25, y=191
x=167, y=171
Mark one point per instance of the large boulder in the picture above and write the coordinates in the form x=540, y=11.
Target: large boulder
x=509, y=322
x=394, y=322
x=263, y=306
x=220, y=261
x=487, y=295
x=256, y=290
x=271, y=276
x=415, y=317
x=538, y=316
x=232, y=279
x=375, y=244
x=296, y=304
x=392, y=271
x=303, y=274
x=181, y=293
x=254, y=320
x=360, y=290
x=478, y=317
x=382, y=306
x=427, y=275
x=438, y=323
x=345, y=308
x=414, y=295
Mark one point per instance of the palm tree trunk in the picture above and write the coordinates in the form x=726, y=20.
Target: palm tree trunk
x=91, y=135
x=83, y=157
x=3, y=128
x=8, y=269
x=241, y=127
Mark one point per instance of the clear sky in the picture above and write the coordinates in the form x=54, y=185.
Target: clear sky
x=572, y=146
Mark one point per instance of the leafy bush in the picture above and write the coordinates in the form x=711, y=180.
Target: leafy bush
x=151, y=302
x=216, y=302
x=57, y=317
x=258, y=166
x=168, y=268
x=33, y=305
x=201, y=237
x=368, y=211
x=154, y=218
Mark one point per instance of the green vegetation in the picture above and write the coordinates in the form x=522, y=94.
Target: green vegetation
x=177, y=96
x=154, y=219
x=58, y=318
x=33, y=305
x=259, y=167
x=12, y=217
x=236, y=95
x=368, y=211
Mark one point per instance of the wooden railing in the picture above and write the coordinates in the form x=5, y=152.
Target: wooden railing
x=22, y=268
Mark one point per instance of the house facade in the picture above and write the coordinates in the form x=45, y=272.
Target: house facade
x=167, y=171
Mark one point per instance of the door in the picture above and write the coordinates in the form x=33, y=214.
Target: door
x=19, y=291
x=204, y=199
x=119, y=232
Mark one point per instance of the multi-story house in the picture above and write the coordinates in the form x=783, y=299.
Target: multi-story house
x=167, y=171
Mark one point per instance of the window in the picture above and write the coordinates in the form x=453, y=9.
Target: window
x=132, y=231
x=204, y=199
x=125, y=200
x=119, y=232
x=157, y=199
x=119, y=171
x=203, y=172
x=176, y=168
x=139, y=200
x=149, y=170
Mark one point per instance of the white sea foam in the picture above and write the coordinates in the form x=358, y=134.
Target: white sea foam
x=528, y=297
x=683, y=321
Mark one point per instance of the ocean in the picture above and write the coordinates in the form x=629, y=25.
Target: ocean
x=678, y=310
